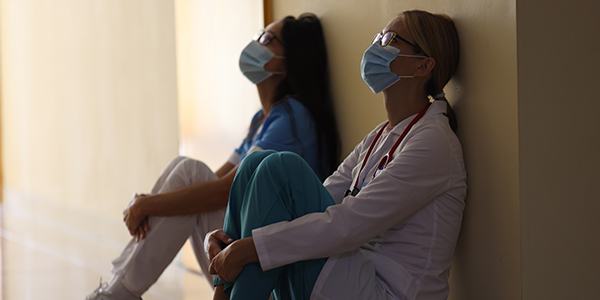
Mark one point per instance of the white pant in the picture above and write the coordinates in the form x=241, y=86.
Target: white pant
x=141, y=263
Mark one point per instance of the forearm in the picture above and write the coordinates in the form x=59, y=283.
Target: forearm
x=225, y=169
x=194, y=199
x=248, y=252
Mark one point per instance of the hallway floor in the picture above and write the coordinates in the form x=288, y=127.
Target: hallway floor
x=53, y=251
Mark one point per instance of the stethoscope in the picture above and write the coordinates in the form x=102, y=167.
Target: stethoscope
x=390, y=155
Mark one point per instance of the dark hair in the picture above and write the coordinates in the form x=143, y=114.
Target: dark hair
x=307, y=80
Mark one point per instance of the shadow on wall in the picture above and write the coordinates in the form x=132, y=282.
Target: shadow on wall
x=483, y=93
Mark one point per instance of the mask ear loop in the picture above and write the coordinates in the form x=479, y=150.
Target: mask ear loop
x=410, y=55
x=413, y=55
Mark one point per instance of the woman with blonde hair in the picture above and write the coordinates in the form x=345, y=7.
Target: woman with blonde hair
x=384, y=225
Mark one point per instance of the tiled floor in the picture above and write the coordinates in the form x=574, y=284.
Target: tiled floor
x=52, y=251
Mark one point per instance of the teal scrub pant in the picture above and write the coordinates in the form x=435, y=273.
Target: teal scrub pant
x=271, y=187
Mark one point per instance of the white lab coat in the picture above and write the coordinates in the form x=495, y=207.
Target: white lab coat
x=395, y=239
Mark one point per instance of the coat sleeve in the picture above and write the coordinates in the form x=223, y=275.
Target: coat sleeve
x=419, y=172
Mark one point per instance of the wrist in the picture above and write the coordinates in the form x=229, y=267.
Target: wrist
x=247, y=250
x=143, y=205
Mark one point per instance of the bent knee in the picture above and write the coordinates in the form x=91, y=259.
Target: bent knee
x=252, y=160
x=259, y=155
x=193, y=169
x=281, y=164
x=178, y=158
x=285, y=159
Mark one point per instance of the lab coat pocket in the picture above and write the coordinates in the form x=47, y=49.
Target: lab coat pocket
x=349, y=276
x=393, y=276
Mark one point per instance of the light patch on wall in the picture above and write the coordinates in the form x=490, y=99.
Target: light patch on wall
x=216, y=102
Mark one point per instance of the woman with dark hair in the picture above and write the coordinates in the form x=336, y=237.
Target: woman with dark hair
x=384, y=225
x=308, y=80
x=288, y=64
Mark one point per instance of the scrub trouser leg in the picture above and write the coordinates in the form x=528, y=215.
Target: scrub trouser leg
x=268, y=188
x=140, y=264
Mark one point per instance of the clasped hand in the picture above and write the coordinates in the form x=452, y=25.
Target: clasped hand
x=135, y=219
x=228, y=257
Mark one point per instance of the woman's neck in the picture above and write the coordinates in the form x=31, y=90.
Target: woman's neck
x=401, y=104
x=267, y=92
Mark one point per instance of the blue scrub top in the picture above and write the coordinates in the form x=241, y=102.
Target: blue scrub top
x=288, y=127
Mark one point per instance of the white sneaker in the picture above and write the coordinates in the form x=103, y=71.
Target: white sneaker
x=113, y=292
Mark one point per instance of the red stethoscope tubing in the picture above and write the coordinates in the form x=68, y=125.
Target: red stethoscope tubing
x=390, y=155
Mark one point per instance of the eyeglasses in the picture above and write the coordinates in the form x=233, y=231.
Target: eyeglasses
x=265, y=37
x=388, y=37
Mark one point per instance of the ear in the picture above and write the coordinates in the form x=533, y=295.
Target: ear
x=425, y=67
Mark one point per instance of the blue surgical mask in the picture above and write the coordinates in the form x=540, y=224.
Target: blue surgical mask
x=253, y=59
x=375, y=67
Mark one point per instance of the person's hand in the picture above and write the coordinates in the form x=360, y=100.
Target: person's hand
x=142, y=230
x=135, y=219
x=229, y=262
x=215, y=242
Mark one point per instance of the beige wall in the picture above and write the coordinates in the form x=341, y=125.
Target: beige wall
x=559, y=137
x=89, y=111
x=216, y=102
x=1, y=146
x=485, y=96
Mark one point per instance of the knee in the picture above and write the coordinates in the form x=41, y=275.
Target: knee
x=259, y=155
x=174, y=164
x=280, y=164
x=252, y=160
x=284, y=159
x=193, y=170
x=178, y=159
